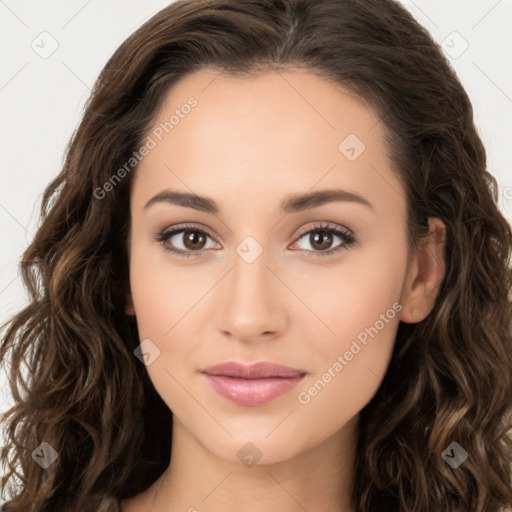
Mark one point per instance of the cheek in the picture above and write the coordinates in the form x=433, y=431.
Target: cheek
x=352, y=295
x=162, y=293
x=359, y=308
x=165, y=299
x=162, y=298
x=348, y=367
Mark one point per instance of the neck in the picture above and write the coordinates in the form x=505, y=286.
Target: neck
x=317, y=480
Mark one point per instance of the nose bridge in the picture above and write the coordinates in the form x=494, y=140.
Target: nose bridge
x=251, y=303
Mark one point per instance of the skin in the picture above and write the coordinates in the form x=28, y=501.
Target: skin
x=248, y=145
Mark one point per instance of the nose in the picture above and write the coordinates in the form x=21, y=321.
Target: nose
x=252, y=301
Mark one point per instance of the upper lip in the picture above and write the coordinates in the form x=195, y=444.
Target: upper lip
x=260, y=370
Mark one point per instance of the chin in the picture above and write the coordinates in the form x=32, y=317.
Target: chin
x=256, y=449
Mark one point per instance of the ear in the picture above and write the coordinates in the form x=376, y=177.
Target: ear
x=130, y=309
x=425, y=274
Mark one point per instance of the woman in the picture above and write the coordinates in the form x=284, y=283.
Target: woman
x=275, y=248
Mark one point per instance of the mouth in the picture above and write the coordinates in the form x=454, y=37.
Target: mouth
x=252, y=385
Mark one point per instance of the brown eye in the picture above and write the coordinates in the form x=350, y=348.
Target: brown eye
x=194, y=240
x=185, y=240
x=321, y=237
x=321, y=240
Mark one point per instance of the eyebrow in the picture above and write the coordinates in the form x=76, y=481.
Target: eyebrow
x=293, y=204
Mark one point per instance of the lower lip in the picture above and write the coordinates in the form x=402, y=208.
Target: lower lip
x=252, y=391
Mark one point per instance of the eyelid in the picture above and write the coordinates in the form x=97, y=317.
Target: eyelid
x=186, y=227
x=305, y=229
x=325, y=224
x=172, y=230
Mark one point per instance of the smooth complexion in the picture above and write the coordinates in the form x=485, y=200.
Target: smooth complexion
x=249, y=146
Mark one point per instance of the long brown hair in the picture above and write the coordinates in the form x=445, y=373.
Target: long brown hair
x=450, y=376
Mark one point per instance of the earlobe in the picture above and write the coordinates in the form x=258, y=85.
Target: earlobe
x=426, y=273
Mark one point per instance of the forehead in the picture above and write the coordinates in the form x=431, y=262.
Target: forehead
x=286, y=130
x=296, y=101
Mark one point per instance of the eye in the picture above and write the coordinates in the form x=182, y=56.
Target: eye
x=321, y=236
x=193, y=240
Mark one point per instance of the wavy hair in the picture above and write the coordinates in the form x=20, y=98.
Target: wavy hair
x=450, y=375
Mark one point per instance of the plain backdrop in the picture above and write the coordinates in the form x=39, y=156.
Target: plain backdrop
x=52, y=52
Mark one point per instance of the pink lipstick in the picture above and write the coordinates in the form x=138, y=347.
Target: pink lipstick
x=254, y=384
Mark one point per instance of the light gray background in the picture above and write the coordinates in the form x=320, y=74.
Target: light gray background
x=42, y=96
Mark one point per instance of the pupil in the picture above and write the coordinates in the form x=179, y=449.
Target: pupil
x=322, y=236
x=192, y=238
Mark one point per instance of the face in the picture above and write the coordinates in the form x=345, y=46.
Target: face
x=316, y=286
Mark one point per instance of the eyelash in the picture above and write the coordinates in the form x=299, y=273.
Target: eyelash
x=347, y=237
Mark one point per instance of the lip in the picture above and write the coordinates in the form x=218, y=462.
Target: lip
x=254, y=384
